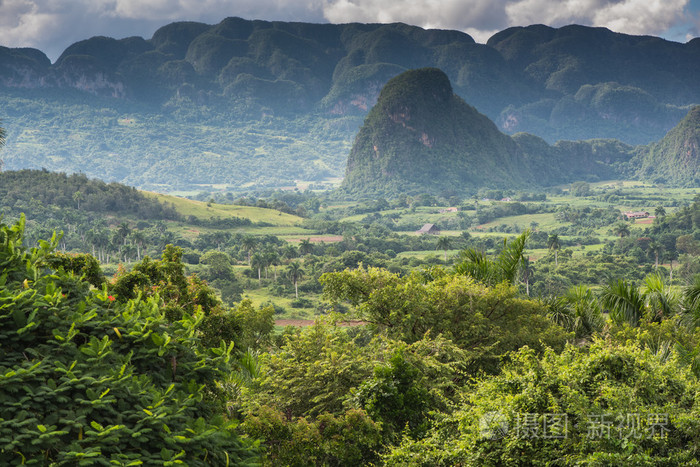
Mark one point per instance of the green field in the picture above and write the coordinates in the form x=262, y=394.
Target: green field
x=205, y=211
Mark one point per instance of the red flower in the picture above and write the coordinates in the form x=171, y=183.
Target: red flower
x=111, y=298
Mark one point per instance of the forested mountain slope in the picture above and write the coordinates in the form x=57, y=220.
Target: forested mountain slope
x=268, y=103
x=421, y=137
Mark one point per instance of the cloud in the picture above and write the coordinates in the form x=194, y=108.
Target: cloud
x=652, y=17
x=216, y=10
x=481, y=17
x=477, y=15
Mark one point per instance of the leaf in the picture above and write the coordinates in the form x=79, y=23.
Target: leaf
x=41, y=428
x=157, y=339
x=19, y=317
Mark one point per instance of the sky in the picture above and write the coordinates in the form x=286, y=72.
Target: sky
x=52, y=25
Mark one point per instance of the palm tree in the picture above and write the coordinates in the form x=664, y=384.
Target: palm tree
x=553, y=244
x=587, y=313
x=660, y=299
x=504, y=268
x=220, y=238
x=660, y=211
x=624, y=302
x=249, y=243
x=627, y=303
x=295, y=273
x=621, y=229
x=690, y=304
x=78, y=197
x=527, y=270
x=443, y=243
x=305, y=246
x=139, y=240
x=258, y=261
x=271, y=258
x=656, y=248
x=2, y=143
x=290, y=251
x=123, y=231
x=274, y=260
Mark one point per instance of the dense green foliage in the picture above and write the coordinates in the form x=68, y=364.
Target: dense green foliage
x=486, y=321
x=89, y=380
x=539, y=311
x=606, y=405
x=78, y=192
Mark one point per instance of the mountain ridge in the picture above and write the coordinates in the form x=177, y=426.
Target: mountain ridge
x=278, y=102
x=420, y=137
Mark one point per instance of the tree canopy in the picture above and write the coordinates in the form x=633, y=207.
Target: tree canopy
x=85, y=378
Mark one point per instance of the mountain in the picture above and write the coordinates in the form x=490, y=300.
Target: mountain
x=675, y=160
x=421, y=137
x=263, y=104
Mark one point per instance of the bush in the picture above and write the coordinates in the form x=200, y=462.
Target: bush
x=87, y=379
x=301, y=303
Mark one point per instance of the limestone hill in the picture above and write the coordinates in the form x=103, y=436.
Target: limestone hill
x=675, y=159
x=421, y=137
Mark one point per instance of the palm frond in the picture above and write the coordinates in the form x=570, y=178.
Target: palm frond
x=624, y=302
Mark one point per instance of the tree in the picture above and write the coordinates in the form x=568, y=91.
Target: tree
x=139, y=240
x=2, y=143
x=660, y=211
x=248, y=243
x=657, y=249
x=123, y=231
x=504, y=268
x=295, y=274
x=621, y=229
x=527, y=270
x=624, y=302
x=89, y=379
x=289, y=252
x=305, y=246
x=577, y=407
x=219, y=265
x=78, y=197
x=272, y=258
x=661, y=301
x=486, y=321
x=688, y=244
x=577, y=311
x=258, y=262
x=443, y=243
x=554, y=244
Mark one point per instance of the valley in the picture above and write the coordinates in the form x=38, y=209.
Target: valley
x=289, y=244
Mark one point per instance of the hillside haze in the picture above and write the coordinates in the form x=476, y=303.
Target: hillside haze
x=264, y=104
x=421, y=137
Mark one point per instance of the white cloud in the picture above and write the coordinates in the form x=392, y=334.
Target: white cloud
x=627, y=16
x=477, y=15
x=482, y=17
